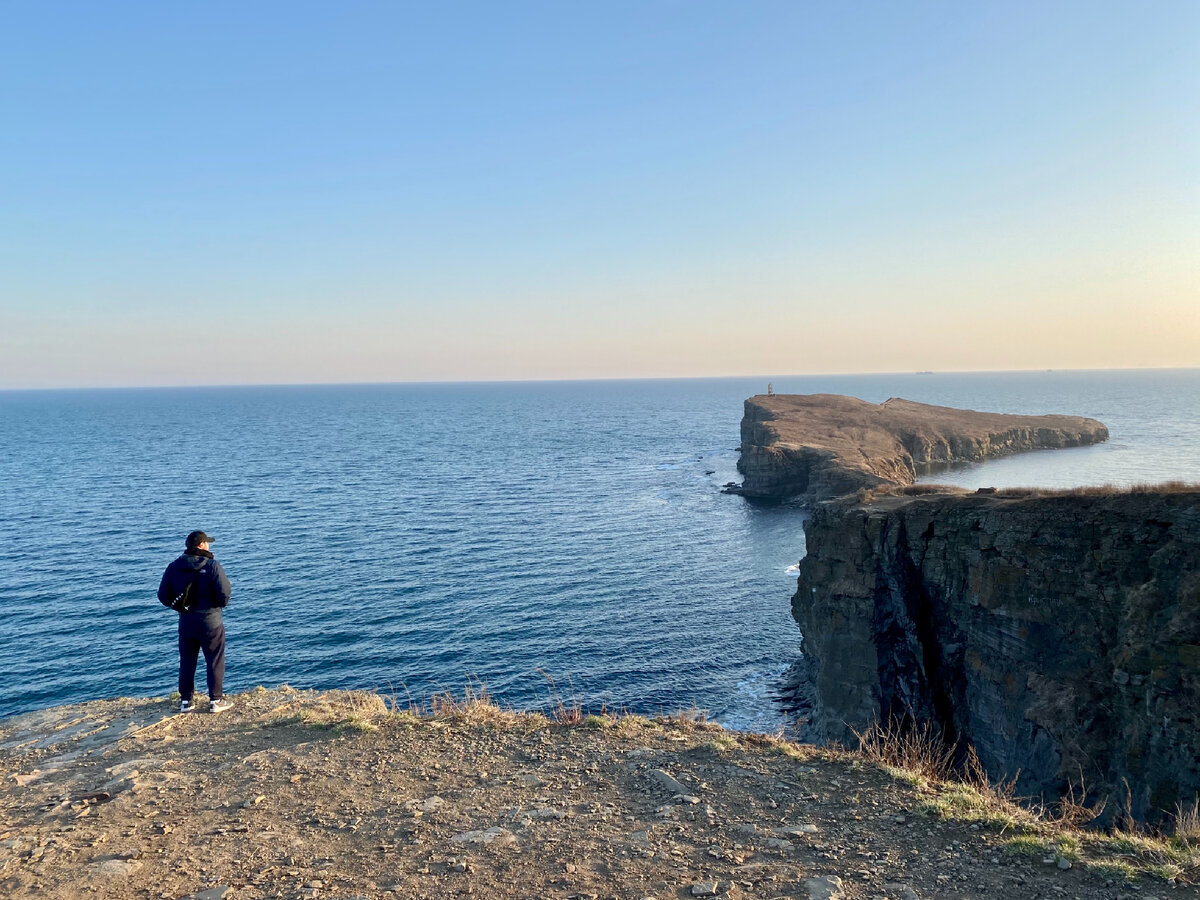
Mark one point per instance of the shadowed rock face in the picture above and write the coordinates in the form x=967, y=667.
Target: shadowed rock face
x=826, y=445
x=1059, y=635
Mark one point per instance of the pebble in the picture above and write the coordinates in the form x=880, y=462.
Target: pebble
x=704, y=889
x=254, y=801
x=796, y=830
x=1064, y=863
x=213, y=893
x=666, y=780
x=117, y=867
x=501, y=837
x=429, y=804
x=827, y=887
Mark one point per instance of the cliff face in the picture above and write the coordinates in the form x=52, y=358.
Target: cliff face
x=825, y=445
x=1059, y=635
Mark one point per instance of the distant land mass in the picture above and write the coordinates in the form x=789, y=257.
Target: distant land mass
x=827, y=445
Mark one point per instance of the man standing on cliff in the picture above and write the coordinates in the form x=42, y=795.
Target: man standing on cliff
x=197, y=587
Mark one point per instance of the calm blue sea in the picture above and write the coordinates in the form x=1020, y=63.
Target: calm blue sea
x=416, y=538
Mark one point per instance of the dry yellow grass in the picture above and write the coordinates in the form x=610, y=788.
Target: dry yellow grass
x=1054, y=832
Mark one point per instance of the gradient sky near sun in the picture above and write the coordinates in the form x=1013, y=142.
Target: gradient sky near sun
x=212, y=193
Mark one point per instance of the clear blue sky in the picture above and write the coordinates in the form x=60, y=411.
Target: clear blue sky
x=199, y=193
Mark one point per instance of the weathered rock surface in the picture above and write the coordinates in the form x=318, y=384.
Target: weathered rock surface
x=826, y=445
x=1059, y=635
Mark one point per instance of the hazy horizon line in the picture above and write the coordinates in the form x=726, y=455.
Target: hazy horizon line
x=615, y=379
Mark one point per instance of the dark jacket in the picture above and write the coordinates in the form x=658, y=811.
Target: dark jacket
x=210, y=585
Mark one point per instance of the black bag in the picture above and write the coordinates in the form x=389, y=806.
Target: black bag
x=185, y=600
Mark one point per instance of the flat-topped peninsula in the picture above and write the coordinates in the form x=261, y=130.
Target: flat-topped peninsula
x=826, y=445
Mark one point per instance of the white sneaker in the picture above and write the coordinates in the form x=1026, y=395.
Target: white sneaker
x=185, y=706
x=219, y=705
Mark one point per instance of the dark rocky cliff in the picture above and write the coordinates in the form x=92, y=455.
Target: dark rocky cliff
x=1059, y=635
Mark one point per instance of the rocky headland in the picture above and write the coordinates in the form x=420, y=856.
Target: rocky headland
x=820, y=446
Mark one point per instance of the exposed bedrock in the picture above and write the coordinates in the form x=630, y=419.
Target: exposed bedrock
x=827, y=445
x=1057, y=634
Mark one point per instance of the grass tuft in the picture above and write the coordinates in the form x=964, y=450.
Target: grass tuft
x=561, y=712
x=920, y=751
x=1113, y=869
x=721, y=743
x=692, y=717
x=1187, y=825
x=1027, y=846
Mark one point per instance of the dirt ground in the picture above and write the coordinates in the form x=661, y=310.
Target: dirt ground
x=296, y=794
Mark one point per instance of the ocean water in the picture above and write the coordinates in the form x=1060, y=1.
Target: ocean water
x=547, y=540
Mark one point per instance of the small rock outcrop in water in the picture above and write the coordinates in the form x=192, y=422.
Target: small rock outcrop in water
x=826, y=445
x=1057, y=634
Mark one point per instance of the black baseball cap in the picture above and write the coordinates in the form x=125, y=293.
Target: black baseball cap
x=196, y=538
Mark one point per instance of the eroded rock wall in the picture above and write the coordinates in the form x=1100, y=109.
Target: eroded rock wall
x=1059, y=635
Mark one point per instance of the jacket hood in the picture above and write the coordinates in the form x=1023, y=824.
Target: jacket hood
x=195, y=562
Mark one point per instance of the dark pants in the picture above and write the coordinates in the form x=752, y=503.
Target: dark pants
x=196, y=633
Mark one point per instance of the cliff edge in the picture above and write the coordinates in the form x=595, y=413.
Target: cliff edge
x=826, y=445
x=300, y=795
x=1059, y=635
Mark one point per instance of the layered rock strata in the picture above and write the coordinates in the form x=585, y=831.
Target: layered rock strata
x=826, y=445
x=1059, y=635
